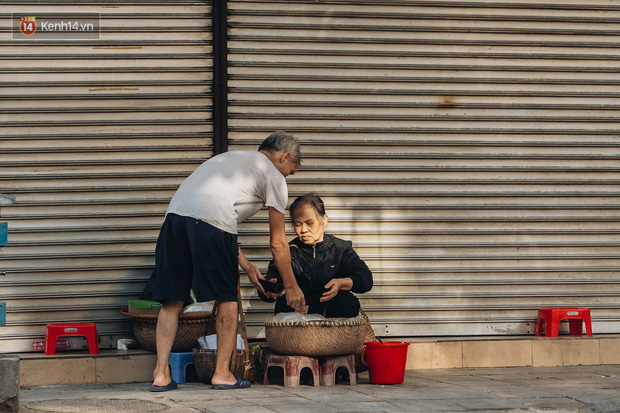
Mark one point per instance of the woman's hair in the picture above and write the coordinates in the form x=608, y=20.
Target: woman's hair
x=309, y=199
x=282, y=141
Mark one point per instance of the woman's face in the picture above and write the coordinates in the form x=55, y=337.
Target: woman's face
x=308, y=225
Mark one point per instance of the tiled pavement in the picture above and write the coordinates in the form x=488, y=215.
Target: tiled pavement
x=515, y=389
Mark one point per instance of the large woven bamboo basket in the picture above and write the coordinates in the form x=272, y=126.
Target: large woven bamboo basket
x=316, y=338
x=191, y=326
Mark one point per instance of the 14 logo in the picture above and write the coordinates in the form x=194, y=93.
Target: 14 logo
x=28, y=25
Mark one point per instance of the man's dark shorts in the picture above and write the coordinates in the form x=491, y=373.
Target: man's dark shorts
x=193, y=254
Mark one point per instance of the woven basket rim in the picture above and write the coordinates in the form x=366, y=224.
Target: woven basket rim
x=199, y=349
x=182, y=316
x=317, y=323
x=204, y=350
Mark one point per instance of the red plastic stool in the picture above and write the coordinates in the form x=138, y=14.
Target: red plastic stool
x=55, y=330
x=292, y=366
x=330, y=365
x=552, y=317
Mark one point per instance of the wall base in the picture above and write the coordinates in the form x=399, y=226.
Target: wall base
x=73, y=367
x=116, y=366
x=508, y=351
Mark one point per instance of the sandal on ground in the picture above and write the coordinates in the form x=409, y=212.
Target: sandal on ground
x=239, y=384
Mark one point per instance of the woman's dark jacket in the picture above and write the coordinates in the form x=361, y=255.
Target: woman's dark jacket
x=315, y=265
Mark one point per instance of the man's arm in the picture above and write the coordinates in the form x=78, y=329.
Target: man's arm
x=251, y=270
x=282, y=258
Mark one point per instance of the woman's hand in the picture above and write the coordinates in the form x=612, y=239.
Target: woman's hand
x=273, y=296
x=334, y=286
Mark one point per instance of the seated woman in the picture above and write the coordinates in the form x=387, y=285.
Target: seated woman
x=327, y=268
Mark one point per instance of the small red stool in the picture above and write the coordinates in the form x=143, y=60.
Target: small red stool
x=292, y=366
x=55, y=330
x=330, y=365
x=552, y=317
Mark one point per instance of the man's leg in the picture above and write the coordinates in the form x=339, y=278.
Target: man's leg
x=226, y=329
x=167, y=323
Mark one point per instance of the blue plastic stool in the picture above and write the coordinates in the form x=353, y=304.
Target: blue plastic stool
x=178, y=364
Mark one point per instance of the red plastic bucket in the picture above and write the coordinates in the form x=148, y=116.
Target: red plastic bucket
x=386, y=361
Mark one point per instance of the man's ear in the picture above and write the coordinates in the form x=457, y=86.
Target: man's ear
x=285, y=156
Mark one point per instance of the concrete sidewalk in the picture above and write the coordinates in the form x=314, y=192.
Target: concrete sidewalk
x=515, y=389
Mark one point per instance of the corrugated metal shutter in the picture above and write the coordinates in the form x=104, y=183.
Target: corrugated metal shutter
x=95, y=138
x=468, y=148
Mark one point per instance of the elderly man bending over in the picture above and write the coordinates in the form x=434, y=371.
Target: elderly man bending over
x=197, y=246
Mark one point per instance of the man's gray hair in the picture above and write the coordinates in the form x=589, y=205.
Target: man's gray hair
x=282, y=141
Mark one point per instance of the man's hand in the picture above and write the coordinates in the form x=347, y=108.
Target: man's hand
x=295, y=297
x=334, y=286
x=254, y=275
x=252, y=271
